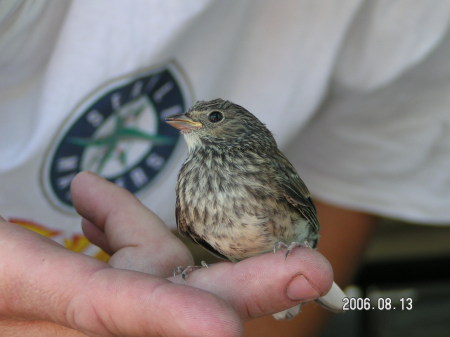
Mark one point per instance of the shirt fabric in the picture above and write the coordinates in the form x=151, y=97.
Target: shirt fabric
x=355, y=92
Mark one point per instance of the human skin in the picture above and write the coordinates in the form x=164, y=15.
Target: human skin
x=47, y=290
x=345, y=234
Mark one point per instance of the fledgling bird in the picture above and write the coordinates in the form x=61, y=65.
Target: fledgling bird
x=237, y=194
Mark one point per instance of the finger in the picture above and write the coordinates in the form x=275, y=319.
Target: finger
x=96, y=236
x=154, y=305
x=43, y=281
x=266, y=284
x=138, y=238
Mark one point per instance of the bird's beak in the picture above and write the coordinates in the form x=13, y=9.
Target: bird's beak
x=183, y=122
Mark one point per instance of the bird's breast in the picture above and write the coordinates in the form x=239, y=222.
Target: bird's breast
x=232, y=204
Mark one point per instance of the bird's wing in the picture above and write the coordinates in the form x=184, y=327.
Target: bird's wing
x=294, y=189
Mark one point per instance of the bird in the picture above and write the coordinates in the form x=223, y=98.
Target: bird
x=237, y=195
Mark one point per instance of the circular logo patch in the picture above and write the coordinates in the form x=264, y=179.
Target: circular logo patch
x=118, y=133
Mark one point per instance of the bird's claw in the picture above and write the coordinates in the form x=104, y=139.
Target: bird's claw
x=185, y=271
x=290, y=247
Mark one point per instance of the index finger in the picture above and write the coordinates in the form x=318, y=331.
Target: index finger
x=138, y=239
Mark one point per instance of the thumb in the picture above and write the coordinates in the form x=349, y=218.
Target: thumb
x=267, y=283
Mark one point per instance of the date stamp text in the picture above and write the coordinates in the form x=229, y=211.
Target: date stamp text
x=381, y=303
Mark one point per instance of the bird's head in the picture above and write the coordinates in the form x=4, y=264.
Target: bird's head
x=221, y=123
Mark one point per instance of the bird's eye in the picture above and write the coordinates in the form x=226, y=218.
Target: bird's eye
x=215, y=116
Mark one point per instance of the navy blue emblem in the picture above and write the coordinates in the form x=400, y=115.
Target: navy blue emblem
x=119, y=133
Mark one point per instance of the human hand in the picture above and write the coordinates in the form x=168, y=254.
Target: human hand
x=43, y=281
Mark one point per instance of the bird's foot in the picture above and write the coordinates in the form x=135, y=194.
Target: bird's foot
x=185, y=271
x=290, y=247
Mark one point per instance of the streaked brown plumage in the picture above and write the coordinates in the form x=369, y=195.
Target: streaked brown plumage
x=237, y=194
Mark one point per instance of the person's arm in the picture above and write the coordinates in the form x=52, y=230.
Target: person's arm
x=46, y=290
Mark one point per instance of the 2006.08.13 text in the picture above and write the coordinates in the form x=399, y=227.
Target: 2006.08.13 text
x=382, y=303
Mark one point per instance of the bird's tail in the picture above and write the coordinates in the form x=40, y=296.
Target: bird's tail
x=333, y=300
x=288, y=313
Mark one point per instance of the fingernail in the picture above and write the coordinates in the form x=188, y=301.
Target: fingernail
x=299, y=289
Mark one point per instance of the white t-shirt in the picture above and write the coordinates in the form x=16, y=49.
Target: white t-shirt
x=355, y=92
